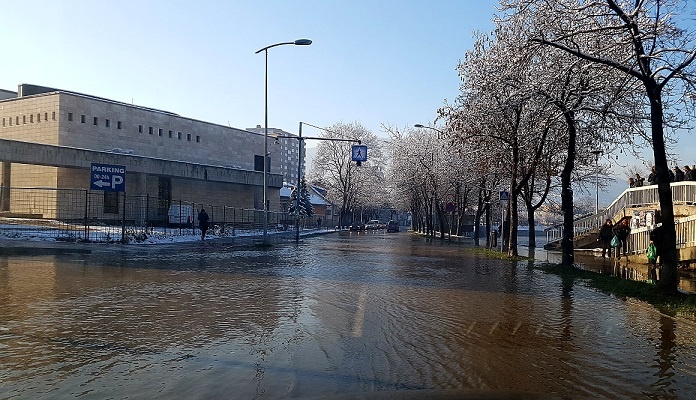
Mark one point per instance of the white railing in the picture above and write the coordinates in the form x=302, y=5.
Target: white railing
x=683, y=193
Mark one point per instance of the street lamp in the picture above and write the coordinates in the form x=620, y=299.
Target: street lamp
x=439, y=132
x=298, y=42
x=597, y=153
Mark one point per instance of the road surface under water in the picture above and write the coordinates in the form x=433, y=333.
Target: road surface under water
x=342, y=315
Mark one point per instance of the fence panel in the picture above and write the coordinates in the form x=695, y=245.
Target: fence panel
x=97, y=216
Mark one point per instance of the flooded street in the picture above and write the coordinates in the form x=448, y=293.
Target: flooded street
x=336, y=315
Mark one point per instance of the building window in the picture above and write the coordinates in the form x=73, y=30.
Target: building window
x=82, y=119
x=31, y=118
x=178, y=135
x=198, y=139
x=3, y=122
x=110, y=202
x=69, y=116
x=45, y=116
x=108, y=123
x=188, y=137
x=118, y=125
x=96, y=121
x=258, y=163
x=53, y=115
x=159, y=132
x=149, y=130
x=17, y=120
x=171, y=134
x=24, y=119
x=140, y=129
x=38, y=117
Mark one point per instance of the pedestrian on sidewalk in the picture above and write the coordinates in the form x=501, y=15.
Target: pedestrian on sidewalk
x=604, y=237
x=203, y=222
x=622, y=230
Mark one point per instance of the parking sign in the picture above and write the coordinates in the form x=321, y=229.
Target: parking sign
x=106, y=177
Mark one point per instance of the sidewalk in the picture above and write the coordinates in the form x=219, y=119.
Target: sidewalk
x=26, y=246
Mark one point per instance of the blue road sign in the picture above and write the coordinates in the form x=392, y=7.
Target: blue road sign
x=504, y=196
x=106, y=177
x=359, y=153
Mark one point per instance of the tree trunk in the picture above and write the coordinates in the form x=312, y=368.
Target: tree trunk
x=669, y=277
x=567, y=256
x=531, y=222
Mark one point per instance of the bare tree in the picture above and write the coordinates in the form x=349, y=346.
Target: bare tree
x=641, y=39
x=347, y=184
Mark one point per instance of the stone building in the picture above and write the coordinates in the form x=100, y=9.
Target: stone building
x=68, y=119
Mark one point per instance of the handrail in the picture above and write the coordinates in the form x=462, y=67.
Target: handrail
x=682, y=193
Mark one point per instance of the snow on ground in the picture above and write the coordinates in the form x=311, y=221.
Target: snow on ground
x=52, y=231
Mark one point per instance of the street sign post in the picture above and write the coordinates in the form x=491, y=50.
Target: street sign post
x=107, y=177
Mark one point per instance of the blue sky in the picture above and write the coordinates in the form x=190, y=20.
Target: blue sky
x=377, y=62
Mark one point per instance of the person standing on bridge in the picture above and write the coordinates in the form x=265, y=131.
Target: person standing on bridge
x=678, y=174
x=604, y=237
x=639, y=180
x=622, y=230
x=652, y=177
x=203, y=222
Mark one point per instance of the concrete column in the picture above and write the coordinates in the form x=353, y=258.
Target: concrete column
x=139, y=193
x=6, y=183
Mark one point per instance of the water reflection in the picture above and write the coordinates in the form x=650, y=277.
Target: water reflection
x=331, y=316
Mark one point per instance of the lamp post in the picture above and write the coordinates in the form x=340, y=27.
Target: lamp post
x=597, y=153
x=298, y=42
x=439, y=132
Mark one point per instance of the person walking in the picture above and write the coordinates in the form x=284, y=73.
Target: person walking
x=622, y=231
x=689, y=174
x=604, y=237
x=203, y=221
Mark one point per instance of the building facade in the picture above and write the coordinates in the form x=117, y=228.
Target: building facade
x=56, y=117
x=285, y=147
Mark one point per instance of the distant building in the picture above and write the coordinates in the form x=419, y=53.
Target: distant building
x=284, y=151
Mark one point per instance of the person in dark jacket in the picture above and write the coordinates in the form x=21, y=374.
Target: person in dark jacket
x=203, y=222
x=622, y=230
x=652, y=177
x=639, y=180
x=604, y=237
x=678, y=175
x=689, y=174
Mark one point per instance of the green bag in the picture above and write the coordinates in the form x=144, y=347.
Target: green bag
x=651, y=253
x=615, y=241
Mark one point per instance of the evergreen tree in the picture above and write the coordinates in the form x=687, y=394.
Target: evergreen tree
x=305, y=205
x=305, y=200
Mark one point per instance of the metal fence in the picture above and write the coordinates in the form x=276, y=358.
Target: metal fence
x=96, y=216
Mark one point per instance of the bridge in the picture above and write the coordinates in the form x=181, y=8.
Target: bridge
x=639, y=204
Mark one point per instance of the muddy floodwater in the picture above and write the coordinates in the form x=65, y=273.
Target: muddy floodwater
x=341, y=315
